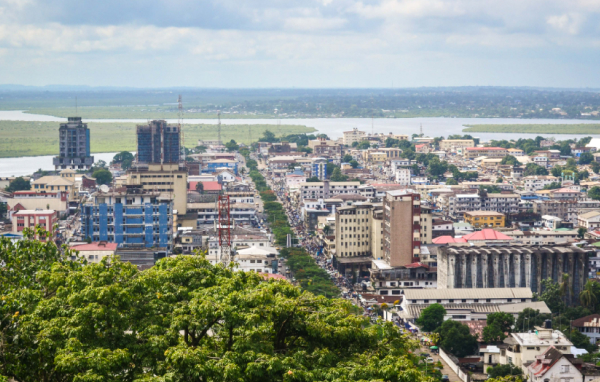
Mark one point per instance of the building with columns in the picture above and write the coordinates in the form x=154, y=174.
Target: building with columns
x=512, y=266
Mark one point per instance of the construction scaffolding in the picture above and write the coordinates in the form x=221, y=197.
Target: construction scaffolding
x=158, y=142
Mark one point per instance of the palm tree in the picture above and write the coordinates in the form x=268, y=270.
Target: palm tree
x=588, y=296
x=565, y=287
x=326, y=230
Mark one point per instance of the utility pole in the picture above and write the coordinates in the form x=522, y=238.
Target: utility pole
x=179, y=123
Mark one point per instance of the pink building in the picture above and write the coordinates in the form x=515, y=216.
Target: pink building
x=31, y=218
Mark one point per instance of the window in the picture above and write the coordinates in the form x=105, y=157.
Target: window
x=564, y=368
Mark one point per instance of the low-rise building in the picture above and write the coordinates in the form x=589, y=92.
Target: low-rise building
x=554, y=365
x=485, y=219
x=538, y=182
x=589, y=220
x=453, y=144
x=588, y=326
x=44, y=219
x=492, y=152
x=95, y=252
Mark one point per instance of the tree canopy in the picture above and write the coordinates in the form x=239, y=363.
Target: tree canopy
x=431, y=317
x=18, y=184
x=125, y=158
x=102, y=176
x=182, y=320
x=457, y=339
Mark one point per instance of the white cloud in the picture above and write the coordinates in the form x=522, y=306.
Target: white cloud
x=570, y=23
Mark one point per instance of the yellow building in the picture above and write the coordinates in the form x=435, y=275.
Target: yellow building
x=170, y=179
x=453, y=144
x=375, y=156
x=485, y=219
x=64, y=182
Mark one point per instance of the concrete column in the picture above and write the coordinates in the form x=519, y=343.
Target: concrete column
x=484, y=269
x=463, y=271
x=517, y=269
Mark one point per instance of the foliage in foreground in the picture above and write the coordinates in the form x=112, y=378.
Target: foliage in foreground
x=182, y=320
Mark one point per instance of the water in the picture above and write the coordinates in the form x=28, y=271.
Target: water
x=28, y=165
x=333, y=127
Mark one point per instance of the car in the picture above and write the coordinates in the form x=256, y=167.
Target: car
x=429, y=360
x=445, y=378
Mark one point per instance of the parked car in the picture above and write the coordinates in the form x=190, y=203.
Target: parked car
x=445, y=378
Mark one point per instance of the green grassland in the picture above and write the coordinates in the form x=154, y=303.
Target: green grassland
x=579, y=128
x=41, y=138
x=136, y=112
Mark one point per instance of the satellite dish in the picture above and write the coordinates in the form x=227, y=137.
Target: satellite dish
x=104, y=188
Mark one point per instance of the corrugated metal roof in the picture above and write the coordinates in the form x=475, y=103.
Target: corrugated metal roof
x=466, y=293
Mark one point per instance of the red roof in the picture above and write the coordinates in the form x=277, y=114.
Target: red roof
x=416, y=265
x=448, y=240
x=208, y=186
x=486, y=234
x=97, y=246
x=275, y=276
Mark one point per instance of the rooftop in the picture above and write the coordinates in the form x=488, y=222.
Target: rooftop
x=486, y=234
x=97, y=246
x=467, y=293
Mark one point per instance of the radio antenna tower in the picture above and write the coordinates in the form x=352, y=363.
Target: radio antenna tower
x=224, y=228
x=421, y=129
x=179, y=123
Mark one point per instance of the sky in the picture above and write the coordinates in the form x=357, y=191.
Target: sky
x=308, y=43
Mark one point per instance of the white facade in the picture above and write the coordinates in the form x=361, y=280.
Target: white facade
x=403, y=176
x=538, y=182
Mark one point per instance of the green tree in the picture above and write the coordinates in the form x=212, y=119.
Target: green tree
x=313, y=179
x=125, y=158
x=451, y=182
x=510, y=160
x=595, y=167
x=200, y=187
x=431, y=317
x=268, y=136
x=571, y=164
x=581, y=231
x=201, y=149
x=102, y=176
x=490, y=189
x=499, y=179
x=552, y=295
x=182, y=320
x=552, y=186
x=337, y=176
x=354, y=163
x=347, y=158
x=18, y=184
x=232, y=146
x=363, y=145
x=594, y=193
x=580, y=340
x=556, y=171
x=529, y=318
x=504, y=321
x=534, y=169
x=590, y=294
x=492, y=333
x=508, y=370
x=586, y=158
x=457, y=339
x=436, y=167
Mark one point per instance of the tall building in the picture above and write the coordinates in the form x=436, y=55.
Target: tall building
x=74, y=146
x=129, y=216
x=401, y=227
x=352, y=136
x=158, y=142
x=169, y=179
x=319, y=168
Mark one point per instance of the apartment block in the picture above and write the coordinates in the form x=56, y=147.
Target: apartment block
x=354, y=135
x=538, y=182
x=401, y=227
x=453, y=144
x=168, y=179
x=74, y=146
x=492, y=152
x=129, y=216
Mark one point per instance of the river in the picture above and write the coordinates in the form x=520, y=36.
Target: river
x=333, y=127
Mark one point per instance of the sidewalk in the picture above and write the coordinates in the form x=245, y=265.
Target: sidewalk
x=446, y=370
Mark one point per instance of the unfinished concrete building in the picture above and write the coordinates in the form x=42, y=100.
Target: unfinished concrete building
x=512, y=266
x=158, y=142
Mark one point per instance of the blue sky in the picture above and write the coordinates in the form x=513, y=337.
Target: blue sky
x=309, y=43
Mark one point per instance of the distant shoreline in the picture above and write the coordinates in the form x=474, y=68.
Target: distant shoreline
x=591, y=128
